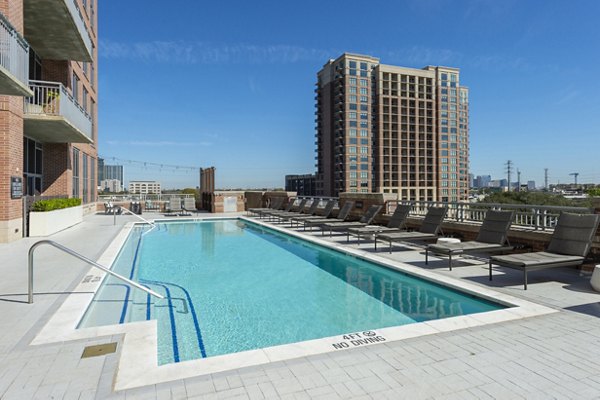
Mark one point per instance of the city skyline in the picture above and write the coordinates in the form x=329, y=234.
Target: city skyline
x=220, y=88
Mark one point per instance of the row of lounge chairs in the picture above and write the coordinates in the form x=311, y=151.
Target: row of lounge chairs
x=569, y=245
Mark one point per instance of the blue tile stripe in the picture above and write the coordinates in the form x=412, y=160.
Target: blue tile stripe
x=172, y=319
x=125, y=301
x=195, y=318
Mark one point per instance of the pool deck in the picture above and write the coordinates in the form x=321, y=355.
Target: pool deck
x=555, y=355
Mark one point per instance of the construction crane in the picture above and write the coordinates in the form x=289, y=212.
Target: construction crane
x=575, y=174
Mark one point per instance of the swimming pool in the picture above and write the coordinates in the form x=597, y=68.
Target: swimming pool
x=232, y=285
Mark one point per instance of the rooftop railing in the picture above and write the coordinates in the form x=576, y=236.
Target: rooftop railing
x=536, y=217
x=141, y=197
x=14, y=51
x=52, y=98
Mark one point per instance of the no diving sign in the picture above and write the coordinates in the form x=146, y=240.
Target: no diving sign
x=358, y=339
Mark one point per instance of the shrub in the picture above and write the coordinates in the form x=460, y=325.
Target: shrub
x=55, y=204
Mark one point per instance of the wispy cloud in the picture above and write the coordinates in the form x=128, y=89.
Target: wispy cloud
x=418, y=55
x=207, y=53
x=189, y=53
x=567, y=96
x=150, y=143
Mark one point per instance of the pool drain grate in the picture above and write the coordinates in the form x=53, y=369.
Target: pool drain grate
x=99, y=350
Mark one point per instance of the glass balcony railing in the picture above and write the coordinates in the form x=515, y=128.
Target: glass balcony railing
x=14, y=61
x=51, y=103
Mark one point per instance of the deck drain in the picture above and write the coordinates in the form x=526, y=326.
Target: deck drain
x=99, y=350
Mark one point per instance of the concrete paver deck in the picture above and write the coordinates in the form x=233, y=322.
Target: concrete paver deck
x=545, y=357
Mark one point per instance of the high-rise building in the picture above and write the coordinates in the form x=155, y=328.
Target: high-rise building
x=390, y=129
x=303, y=185
x=48, y=104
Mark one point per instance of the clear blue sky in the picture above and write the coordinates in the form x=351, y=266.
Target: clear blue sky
x=230, y=83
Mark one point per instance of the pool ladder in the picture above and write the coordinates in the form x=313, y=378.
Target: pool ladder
x=82, y=258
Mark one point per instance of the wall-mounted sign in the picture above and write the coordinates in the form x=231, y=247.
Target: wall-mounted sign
x=16, y=187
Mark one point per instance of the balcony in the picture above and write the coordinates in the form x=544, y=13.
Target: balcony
x=52, y=115
x=55, y=30
x=14, y=61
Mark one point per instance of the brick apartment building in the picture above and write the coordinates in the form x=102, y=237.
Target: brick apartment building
x=48, y=104
x=390, y=129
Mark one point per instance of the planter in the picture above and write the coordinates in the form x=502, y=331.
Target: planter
x=49, y=222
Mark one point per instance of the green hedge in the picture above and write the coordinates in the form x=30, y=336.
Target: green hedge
x=55, y=204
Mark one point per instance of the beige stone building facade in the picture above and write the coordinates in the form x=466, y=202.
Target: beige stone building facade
x=48, y=105
x=390, y=129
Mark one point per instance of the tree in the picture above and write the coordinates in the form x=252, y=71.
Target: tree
x=593, y=192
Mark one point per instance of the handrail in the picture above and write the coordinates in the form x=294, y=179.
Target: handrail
x=135, y=215
x=82, y=258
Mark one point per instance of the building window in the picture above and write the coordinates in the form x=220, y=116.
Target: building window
x=352, y=115
x=352, y=98
x=352, y=89
x=92, y=179
x=32, y=167
x=352, y=132
x=352, y=64
x=364, y=116
x=363, y=90
x=351, y=149
x=363, y=82
x=352, y=81
x=363, y=99
x=364, y=124
x=75, y=87
x=85, y=178
x=75, y=172
x=85, y=100
x=364, y=150
x=364, y=175
x=364, y=133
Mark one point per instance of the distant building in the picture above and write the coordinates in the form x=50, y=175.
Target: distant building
x=111, y=185
x=471, y=180
x=304, y=185
x=390, y=129
x=144, y=187
x=482, y=181
x=530, y=185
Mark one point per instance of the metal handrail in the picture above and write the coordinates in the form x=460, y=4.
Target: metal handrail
x=134, y=214
x=82, y=258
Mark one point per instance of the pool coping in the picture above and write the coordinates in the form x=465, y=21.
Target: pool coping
x=138, y=360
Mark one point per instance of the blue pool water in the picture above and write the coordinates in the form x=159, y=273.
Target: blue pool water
x=232, y=285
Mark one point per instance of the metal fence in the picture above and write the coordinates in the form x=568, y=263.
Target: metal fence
x=14, y=51
x=141, y=197
x=52, y=98
x=536, y=217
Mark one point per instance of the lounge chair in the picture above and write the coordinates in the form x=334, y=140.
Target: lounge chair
x=397, y=223
x=319, y=214
x=284, y=207
x=341, y=216
x=110, y=208
x=430, y=227
x=291, y=208
x=174, y=207
x=569, y=245
x=365, y=220
x=492, y=236
x=306, y=211
x=189, y=206
x=274, y=204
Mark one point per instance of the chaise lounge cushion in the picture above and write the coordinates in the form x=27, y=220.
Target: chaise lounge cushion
x=533, y=259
